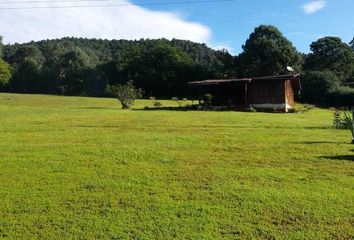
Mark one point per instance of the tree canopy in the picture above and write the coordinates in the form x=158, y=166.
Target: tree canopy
x=125, y=93
x=1, y=47
x=331, y=54
x=77, y=66
x=5, y=74
x=267, y=52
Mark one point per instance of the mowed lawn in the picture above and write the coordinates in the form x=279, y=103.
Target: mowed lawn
x=81, y=168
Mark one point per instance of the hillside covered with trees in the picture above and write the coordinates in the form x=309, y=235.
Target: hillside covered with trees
x=73, y=66
x=161, y=68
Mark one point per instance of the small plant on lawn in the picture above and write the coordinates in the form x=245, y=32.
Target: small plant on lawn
x=251, y=109
x=157, y=104
x=342, y=120
x=126, y=94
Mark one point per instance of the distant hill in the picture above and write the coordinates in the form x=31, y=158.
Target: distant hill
x=85, y=66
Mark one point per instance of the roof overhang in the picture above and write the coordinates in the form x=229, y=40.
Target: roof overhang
x=295, y=80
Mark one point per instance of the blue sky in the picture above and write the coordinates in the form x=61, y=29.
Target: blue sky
x=232, y=22
x=219, y=25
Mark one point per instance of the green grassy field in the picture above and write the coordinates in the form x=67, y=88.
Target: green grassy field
x=81, y=168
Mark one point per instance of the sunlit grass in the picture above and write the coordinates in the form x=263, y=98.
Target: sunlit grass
x=74, y=167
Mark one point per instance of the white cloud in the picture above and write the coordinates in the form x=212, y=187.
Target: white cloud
x=129, y=22
x=314, y=6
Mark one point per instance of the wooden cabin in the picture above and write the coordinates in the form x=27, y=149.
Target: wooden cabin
x=270, y=93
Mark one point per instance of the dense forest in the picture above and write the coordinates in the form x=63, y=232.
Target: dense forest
x=161, y=68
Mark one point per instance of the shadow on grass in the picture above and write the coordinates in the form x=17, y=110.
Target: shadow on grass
x=320, y=142
x=97, y=108
x=178, y=109
x=316, y=128
x=340, y=157
x=205, y=127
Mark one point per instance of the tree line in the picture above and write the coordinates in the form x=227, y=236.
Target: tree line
x=161, y=68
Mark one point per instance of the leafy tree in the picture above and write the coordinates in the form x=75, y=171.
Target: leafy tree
x=73, y=67
x=225, y=65
x=330, y=53
x=159, y=70
x=1, y=47
x=351, y=44
x=27, y=63
x=116, y=61
x=5, y=74
x=267, y=52
x=126, y=94
x=316, y=85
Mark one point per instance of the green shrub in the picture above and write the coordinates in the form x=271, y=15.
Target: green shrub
x=343, y=97
x=251, y=109
x=317, y=84
x=126, y=94
x=342, y=119
x=208, y=100
x=157, y=104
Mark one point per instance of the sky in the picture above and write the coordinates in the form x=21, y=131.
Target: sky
x=220, y=24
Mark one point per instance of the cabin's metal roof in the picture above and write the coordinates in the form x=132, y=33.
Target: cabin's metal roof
x=221, y=81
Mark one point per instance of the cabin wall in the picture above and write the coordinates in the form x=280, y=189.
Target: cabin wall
x=289, y=94
x=267, y=95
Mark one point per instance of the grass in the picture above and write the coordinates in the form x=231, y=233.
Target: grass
x=81, y=168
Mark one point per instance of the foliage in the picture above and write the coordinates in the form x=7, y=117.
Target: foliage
x=207, y=99
x=316, y=85
x=5, y=74
x=331, y=54
x=76, y=66
x=342, y=97
x=159, y=70
x=162, y=68
x=251, y=109
x=267, y=52
x=342, y=119
x=27, y=63
x=80, y=168
x=1, y=47
x=73, y=65
x=126, y=94
x=157, y=104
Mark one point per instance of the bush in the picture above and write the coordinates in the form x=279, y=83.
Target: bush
x=208, y=100
x=317, y=85
x=343, y=97
x=157, y=104
x=251, y=109
x=126, y=94
x=342, y=120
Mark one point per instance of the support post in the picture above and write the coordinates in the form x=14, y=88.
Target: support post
x=246, y=94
